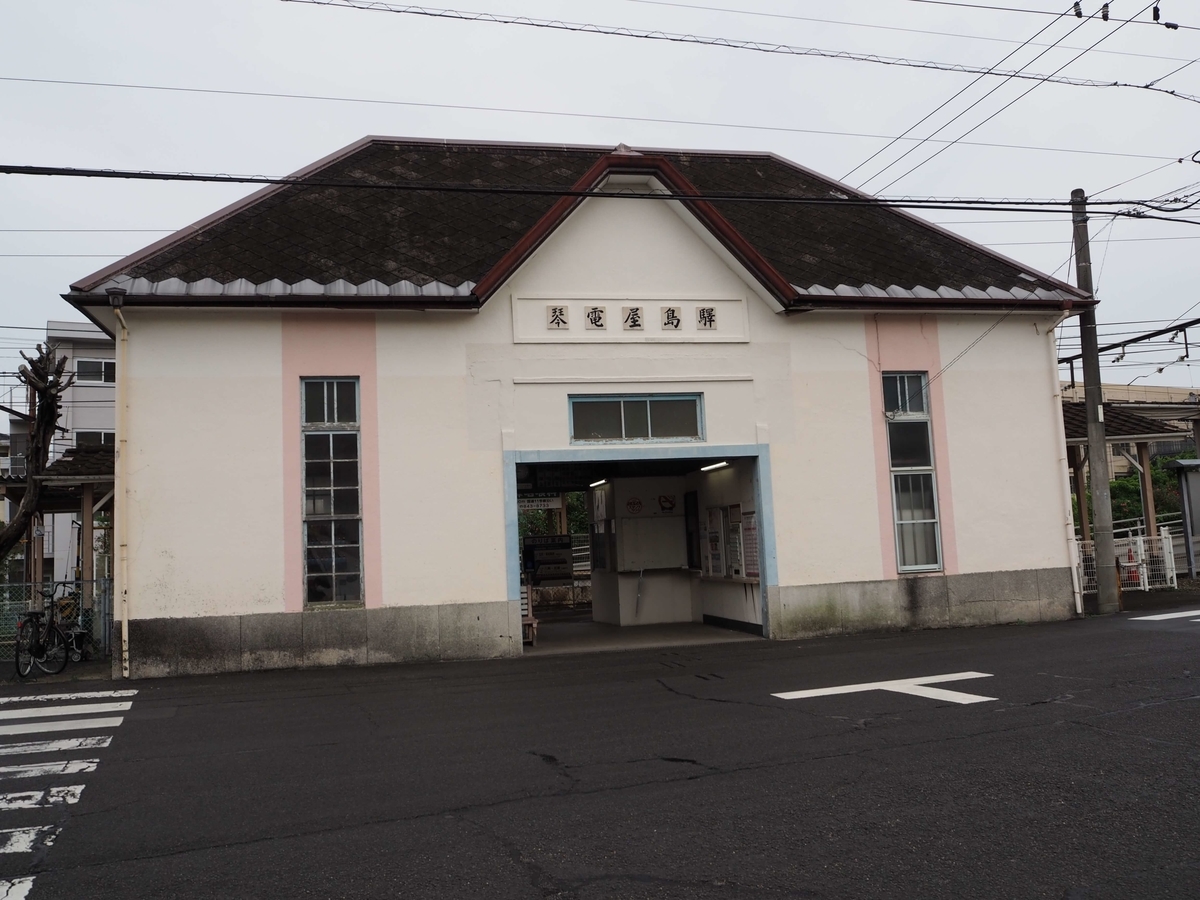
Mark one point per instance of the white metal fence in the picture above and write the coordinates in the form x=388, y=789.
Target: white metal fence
x=1143, y=563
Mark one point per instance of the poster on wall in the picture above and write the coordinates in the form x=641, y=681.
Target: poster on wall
x=750, y=544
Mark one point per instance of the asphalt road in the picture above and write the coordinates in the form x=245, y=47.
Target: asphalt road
x=650, y=774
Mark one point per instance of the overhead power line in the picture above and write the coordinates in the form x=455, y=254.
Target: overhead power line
x=1010, y=103
x=782, y=129
x=995, y=204
x=947, y=102
x=1173, y=26
x=872, y=25
x=727, y=43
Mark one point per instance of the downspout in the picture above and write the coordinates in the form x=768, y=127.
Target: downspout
x=116, y=298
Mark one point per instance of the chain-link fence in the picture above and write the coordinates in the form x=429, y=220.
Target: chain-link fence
x=80, y=606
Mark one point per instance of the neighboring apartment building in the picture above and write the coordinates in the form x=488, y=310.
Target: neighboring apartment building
x=88, y=417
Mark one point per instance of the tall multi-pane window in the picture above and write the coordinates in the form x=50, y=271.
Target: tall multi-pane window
x=332, y=491
x=910, y=456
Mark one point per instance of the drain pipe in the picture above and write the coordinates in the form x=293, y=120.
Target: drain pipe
x=637, y=601
x=116, y=299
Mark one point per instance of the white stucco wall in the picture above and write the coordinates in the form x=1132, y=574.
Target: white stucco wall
x=204, y=497
x=1004, y=419
x=442, y=505
x=455, y=390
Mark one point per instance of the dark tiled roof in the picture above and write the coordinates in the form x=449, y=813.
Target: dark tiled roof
x=84, y=462
x=323, y=233
x=1119, y=424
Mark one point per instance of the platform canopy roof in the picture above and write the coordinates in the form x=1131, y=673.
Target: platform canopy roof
x=397, y=222
x=1120, y=426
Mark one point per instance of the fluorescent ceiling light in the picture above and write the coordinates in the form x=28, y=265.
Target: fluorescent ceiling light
x=719, y=465
x=598, y=483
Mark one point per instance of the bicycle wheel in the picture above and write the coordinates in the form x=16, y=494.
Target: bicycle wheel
x=54, y=651
x=23, y=652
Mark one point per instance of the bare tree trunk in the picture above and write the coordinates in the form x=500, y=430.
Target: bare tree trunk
x=44, y=375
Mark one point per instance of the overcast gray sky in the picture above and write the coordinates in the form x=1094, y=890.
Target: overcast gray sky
x=1146, y=270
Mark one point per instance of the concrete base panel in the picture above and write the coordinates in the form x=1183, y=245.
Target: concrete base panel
x=334, y=637
x=922, y=601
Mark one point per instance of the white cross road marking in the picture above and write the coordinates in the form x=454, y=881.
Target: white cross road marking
x=916, y=687
x=42, y=698
x=81, y=709
x=57, y=796
x=1162, y=617
x=15, y=888
x=30, y=747
x=49, y=797
x=40, y=770
x=66, y=725
x=26, y=840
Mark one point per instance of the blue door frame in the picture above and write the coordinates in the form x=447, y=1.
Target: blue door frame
x=768, y=575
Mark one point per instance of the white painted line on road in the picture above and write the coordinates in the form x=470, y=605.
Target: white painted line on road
x=25, y=840
x=41, y=770
x=916, y=687
x=81, y=709
x=60, y=746
x=84, y=695
x=57, y=796
x=1162, y=617
x=15, y=888
x=68, y=725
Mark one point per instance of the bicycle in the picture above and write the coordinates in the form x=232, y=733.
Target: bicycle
x=41, y=643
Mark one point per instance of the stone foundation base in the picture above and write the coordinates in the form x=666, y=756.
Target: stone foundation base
x=332, y=637
x=921, y=601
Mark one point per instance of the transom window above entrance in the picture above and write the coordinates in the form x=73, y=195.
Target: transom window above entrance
x=637, y=417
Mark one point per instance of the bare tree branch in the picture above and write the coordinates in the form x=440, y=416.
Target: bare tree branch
x=44, y=374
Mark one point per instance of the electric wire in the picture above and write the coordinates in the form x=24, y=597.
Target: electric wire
x=835, y=199
x=946, y=103
x=1041, y=12
x=951, y=34
x=460, y=107
x=727, y=43
x=1009, y=105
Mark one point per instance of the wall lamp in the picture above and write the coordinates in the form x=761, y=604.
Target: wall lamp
x=596, y=484
x=719, y=465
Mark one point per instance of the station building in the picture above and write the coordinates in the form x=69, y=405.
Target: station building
x=795, y=410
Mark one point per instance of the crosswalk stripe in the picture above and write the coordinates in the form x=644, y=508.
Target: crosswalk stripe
x=68, y=725
x=56, y=796
x=28, y=748
x=80, y=709
x=25, y=840
x=83, y=695
x=40, y=770
x=15, y=888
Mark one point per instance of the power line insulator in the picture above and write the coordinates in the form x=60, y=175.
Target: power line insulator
x=1078, y=10
x=1157, y=14
x=1104, y=12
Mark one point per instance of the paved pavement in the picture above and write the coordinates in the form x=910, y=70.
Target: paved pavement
x=668, y=773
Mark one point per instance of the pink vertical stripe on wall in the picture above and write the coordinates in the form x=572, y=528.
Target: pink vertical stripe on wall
x=330, y=345
x=899, y=343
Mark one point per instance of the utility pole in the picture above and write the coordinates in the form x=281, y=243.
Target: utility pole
x=1102, y=524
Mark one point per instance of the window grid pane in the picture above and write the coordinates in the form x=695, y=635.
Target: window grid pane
x=332, y=501
x=910, y=456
